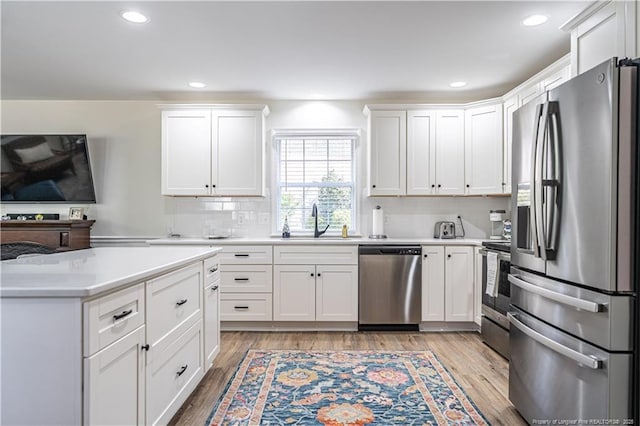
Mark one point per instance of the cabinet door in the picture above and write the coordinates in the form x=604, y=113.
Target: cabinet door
x=458, y=283
x=433, y=283
x=114, y=385
x=186, y=152
x=294, y=293
x=602, y=36
x=238, y=145
x=556, y=79
x=337, y=293
x=529, y=93
x=421, y=152
x=450, y=152
x=510, y=105
x=483, y=150
x=211, y=323
x=387, y=152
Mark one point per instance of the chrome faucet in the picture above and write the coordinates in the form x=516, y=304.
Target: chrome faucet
x=314, y=213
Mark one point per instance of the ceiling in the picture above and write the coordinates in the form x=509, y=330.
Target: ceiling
x=267, y=50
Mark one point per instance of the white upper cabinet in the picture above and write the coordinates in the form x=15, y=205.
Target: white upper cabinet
x=214, y=151
x=450, y=152
x=387, y=152
x=601, y=31
x=186, y=152
x=237, y=161
x=509, y=106
x=483, y=150
x=421, y=152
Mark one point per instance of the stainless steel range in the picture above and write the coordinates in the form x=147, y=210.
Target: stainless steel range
x=495, y=325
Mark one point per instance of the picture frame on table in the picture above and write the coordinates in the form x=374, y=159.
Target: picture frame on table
x=76, y=213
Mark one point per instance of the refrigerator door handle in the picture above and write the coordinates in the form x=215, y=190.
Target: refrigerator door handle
x=574, y=302
x=538, y=199
x=579, y=357
x=534, y=162
x=551, y=184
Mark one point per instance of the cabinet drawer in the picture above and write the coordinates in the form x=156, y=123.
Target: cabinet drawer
x=172, y=300
x=113, y=316
x=173, y=374
x=246, y=278
x=315, y=255
x=248, y=255
x=245, y=307
x=211, y=270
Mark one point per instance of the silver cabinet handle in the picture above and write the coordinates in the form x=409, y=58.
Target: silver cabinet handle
x=555, y=296
x=579, y=357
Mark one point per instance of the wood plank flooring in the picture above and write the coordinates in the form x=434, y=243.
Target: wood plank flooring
x=481, y=372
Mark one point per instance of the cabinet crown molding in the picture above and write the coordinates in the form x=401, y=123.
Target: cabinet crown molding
x=417, y=107
x=258, y=107
x=573, y=22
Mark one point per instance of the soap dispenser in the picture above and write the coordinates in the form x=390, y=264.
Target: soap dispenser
x=285, y=228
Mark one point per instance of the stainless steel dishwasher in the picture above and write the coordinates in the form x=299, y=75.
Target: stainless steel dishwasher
x=390, y=287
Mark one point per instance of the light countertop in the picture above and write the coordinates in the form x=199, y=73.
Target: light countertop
x=84, y=273
x=314, y=241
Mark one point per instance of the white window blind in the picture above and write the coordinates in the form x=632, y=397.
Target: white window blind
x=315, y=170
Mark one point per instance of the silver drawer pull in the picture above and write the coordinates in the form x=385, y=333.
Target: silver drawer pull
x=181, y=302
x=213, y=269
x=214, y=288
x=122, y=315
x=241, y=279
x=182, y=370
x=555, y=296
x=580, y=358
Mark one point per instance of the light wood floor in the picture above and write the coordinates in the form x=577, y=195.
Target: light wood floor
x=482, y=373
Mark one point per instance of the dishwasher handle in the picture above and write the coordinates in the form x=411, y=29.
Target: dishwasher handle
x=405, y=250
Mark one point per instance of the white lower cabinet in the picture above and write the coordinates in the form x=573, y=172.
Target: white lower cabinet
x=143, y=376
x=114, y=385
x=294, y=293
x=432, y=283
x=336, y=293
x=458, y=284
x=325, y=289
x=477, y=286
x=173, y=373
x=447, y=284
x=211, y=322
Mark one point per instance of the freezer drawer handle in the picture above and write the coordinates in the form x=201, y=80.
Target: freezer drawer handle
x=578, y=357
x=558, y=297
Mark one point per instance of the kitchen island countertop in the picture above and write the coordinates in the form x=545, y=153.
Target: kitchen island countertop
x=89, y=272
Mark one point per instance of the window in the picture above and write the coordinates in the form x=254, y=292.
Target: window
x=315, y=168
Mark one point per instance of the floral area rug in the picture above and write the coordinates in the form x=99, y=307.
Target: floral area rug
x=343, y=388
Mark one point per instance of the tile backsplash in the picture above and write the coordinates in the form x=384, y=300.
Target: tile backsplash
x=404, y=216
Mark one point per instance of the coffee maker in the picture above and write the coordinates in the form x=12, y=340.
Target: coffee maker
x=496, y=217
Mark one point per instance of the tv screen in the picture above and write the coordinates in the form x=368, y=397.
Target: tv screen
x=46, y=168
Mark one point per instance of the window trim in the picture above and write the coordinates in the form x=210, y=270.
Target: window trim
x=278, y=134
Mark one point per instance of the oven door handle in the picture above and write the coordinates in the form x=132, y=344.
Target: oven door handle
x=501, y=256
x=588, y=360
x=574, y=302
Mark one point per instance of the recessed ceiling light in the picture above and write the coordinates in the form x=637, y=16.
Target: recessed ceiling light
x=133, y=16
x=533, y=20
x=458, y=84
x=197, y=85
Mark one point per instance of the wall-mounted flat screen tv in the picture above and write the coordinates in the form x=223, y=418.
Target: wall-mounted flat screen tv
x=46, y=168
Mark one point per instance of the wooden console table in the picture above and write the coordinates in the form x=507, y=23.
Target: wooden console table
x=61, y=235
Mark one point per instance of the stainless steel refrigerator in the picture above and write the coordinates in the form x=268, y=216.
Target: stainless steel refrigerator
x=574, y=257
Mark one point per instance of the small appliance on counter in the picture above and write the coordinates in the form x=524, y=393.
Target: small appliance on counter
x=497, y=224
x=378, y=224
x=445, y=230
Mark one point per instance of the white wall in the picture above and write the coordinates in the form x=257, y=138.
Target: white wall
x=124, y=141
